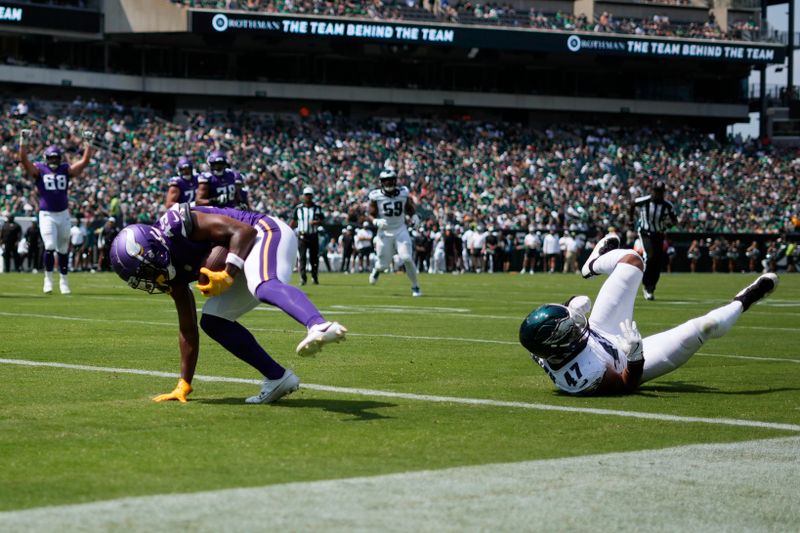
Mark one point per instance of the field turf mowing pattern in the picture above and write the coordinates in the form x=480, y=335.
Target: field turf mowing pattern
x=69, y=436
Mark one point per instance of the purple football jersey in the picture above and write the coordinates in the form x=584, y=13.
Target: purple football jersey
x=187, y=255
x=52, y=186
x=223, y=187
x=188, y=188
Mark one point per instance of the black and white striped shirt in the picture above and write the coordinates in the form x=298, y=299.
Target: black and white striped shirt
x=303, y=215
x=654, y=217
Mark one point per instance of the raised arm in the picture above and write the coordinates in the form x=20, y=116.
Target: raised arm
x=30, y=168
x=76, y=168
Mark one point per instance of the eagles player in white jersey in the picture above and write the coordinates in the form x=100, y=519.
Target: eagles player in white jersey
x=388, y=206
x=605, y=354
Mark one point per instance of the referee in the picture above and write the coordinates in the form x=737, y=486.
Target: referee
x=307, y=220
x=653, y=215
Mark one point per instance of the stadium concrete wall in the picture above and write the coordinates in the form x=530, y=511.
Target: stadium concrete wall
x=340, y=93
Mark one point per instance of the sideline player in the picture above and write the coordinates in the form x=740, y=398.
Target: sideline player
x=52, y=183
x=606, y=354
x=167, y=257
x=388, y=206
x=183, y=187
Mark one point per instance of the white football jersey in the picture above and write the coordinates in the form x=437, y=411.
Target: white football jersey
x=585, y=372
x=391, y=209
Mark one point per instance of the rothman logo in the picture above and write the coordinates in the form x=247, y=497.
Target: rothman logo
x=219, y=22
x=574, y=43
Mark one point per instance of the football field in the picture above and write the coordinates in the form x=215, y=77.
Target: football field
x=430, y=417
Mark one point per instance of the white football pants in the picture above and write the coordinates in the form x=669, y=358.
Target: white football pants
x=54, y=228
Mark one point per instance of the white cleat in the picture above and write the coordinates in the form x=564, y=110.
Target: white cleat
x=274, y=389
x=320, y=335
x=648, y=295
x=48, y=286
x=63, y=285
x=757, y=290
x=373, y=277
x=605, y=245
x=416, y=292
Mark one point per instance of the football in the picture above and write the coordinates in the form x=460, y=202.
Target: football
x=214, y=261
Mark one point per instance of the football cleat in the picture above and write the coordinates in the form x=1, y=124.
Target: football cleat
x=63, y=285
x=757, y=290
x=605, y=245
x=48, y=285
x=648, y=295
x=320, y=335
x=274, y=389
x=373, y=277
x=415, y=291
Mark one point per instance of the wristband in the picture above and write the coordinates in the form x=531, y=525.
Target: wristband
x=635, y=368
x=235, y=260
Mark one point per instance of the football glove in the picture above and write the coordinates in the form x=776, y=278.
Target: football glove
x=631, y=341
x=24, y=136
x=380, y=223
x=88, y=135
x=580, y=304
x=180, y=393
x=218, y=282
x=415, y=219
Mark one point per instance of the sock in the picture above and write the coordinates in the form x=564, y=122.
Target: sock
x=411, y=272
x=49, y=260
x=376, y=273
x=608, y=261
x=63, y=264
x=290, y=300
x=240, y=342
x=719, y=321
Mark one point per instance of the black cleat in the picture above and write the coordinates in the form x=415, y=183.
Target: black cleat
x=757, y=290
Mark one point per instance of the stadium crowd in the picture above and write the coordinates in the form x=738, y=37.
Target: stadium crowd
x=462, y=174
x=492, y=13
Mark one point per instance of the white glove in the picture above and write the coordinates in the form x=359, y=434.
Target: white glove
x=580, y=304
x=24, y=136
x=380, y=223
x=88, y=135
x=631, y=341
x=415, y=219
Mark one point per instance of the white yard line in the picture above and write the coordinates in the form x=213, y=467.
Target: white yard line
x=746, y=486
x=431, y=398
x=467, y=340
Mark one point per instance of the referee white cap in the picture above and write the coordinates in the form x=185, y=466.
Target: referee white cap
x=308, y=190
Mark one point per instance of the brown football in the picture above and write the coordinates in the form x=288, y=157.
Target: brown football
x=214, y=261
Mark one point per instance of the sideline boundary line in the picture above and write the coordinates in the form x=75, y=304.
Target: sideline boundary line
x=429, y=398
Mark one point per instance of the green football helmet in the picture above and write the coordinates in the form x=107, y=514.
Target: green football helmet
x=554, y=333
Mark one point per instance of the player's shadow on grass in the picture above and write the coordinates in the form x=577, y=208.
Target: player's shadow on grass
x=682, y=387
x=359, y=409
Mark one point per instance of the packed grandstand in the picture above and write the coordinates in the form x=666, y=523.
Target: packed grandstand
x=500, y=174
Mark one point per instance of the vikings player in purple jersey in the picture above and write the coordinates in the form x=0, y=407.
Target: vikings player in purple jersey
x=220, y=186
x=182, y=188
x=52, y=182
x=167, y=257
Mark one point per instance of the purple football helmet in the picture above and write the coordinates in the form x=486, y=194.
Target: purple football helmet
x=140, y=257
x=217, y=162
x=53, y=156
x=184, y=168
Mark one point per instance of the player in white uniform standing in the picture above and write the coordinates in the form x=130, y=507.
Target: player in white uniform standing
x=52, y=183
x=606, y=354
x=388, y=207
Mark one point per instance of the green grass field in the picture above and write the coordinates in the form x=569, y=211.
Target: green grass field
x=397, y=397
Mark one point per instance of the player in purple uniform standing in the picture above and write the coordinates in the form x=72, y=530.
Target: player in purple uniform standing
x=183, y=187
x=167, y=257
x=220, y=186
x=52, y=183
